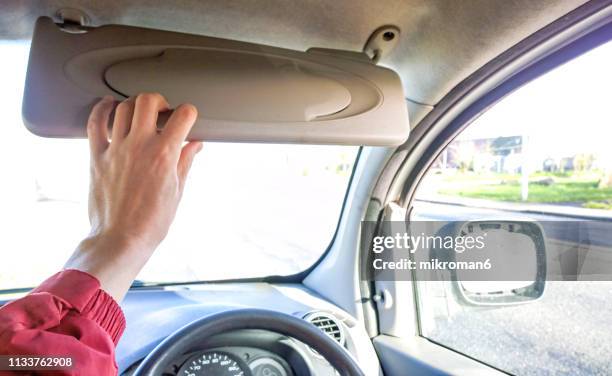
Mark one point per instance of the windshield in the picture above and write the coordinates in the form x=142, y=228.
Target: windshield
x=248, y=210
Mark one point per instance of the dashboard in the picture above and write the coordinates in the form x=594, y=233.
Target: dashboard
x=153, y=314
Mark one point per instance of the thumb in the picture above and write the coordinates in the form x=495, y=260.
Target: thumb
x=188, y=153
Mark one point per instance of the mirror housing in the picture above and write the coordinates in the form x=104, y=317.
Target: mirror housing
x=515, y=244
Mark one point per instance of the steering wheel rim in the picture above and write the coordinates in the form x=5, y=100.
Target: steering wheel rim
x=180, y=341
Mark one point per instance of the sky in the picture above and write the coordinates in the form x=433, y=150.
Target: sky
x=564, y=112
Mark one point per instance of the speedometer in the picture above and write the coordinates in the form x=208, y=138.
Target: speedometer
x=214, y=363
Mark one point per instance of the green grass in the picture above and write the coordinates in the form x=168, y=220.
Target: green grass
x=581, y=190
x=607, y=205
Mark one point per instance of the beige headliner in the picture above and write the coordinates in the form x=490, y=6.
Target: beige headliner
x=442, y=41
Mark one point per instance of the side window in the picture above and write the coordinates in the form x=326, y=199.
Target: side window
x=543, y=152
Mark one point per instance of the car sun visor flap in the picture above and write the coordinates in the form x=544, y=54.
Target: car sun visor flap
x=244, y=92
x=235, y=86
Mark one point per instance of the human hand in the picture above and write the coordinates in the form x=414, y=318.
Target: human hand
x=137, y=180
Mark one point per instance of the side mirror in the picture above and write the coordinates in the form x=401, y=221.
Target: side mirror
x=516, y=251
x=478, y=263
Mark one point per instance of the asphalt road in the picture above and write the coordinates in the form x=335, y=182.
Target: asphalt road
x=568, y=331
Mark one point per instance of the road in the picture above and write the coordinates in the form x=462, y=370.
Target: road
x=566, y=332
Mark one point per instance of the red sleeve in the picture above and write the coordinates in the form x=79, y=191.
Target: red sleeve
x=67, y=315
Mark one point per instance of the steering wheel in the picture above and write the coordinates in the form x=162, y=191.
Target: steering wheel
x=185, y=338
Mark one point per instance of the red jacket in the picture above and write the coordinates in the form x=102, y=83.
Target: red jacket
x=68, y=315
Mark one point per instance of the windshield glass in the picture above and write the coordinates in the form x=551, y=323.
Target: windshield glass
x=248, y=210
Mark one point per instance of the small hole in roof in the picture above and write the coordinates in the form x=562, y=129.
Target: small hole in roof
x=388, y=35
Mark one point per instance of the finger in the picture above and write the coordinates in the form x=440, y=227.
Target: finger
x=188, y=153
x=179, y=124
x=123, y=119
x=148, y=106
x=97, y=125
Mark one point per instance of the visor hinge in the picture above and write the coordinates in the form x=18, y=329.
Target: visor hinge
x=73, y=21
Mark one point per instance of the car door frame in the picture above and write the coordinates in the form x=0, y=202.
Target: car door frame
x=392, y=305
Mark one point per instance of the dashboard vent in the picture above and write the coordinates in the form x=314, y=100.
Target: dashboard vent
x=328, y=324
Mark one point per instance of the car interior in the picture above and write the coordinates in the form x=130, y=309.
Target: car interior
x=322, y=122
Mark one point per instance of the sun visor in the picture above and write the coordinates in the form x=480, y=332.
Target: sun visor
x=244, y=92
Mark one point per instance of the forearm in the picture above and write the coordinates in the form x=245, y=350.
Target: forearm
x=136, y=184
x=113, y=259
